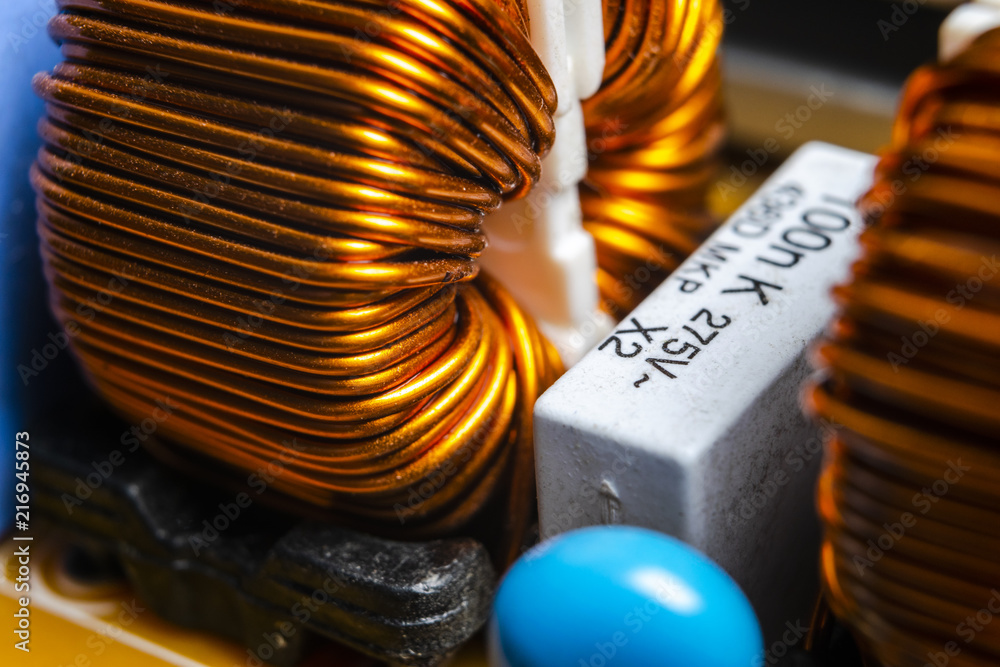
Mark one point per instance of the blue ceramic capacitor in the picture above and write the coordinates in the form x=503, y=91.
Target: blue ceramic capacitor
x=620, y=596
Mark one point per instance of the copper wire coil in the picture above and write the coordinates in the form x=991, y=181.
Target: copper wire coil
x=910, y=494
x=260, y=218
x=654, y=131
x=269, y=213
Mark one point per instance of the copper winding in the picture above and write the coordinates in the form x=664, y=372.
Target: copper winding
x=288, y=216
x=654, y=131
x=910, y=494
x=268, y=211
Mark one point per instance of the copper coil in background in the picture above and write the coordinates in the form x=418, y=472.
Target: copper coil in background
x=268, y=214
x=654, y=132
x=910, y=494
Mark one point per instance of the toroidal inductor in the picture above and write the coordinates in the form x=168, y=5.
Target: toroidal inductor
x=268, y=213
x=910, y=494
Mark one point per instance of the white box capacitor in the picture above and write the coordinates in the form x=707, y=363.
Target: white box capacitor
x=686, y=419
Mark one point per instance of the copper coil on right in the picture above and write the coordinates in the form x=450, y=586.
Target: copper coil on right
x=910, y=493
x=654, y=132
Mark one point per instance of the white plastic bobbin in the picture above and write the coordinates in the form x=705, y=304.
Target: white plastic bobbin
x=964, y=25
x=538, y=248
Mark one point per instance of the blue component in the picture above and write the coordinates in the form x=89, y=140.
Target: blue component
x=25, y=48
x=619, y=596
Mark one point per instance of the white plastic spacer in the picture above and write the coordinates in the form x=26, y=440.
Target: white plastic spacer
x=538, y=248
